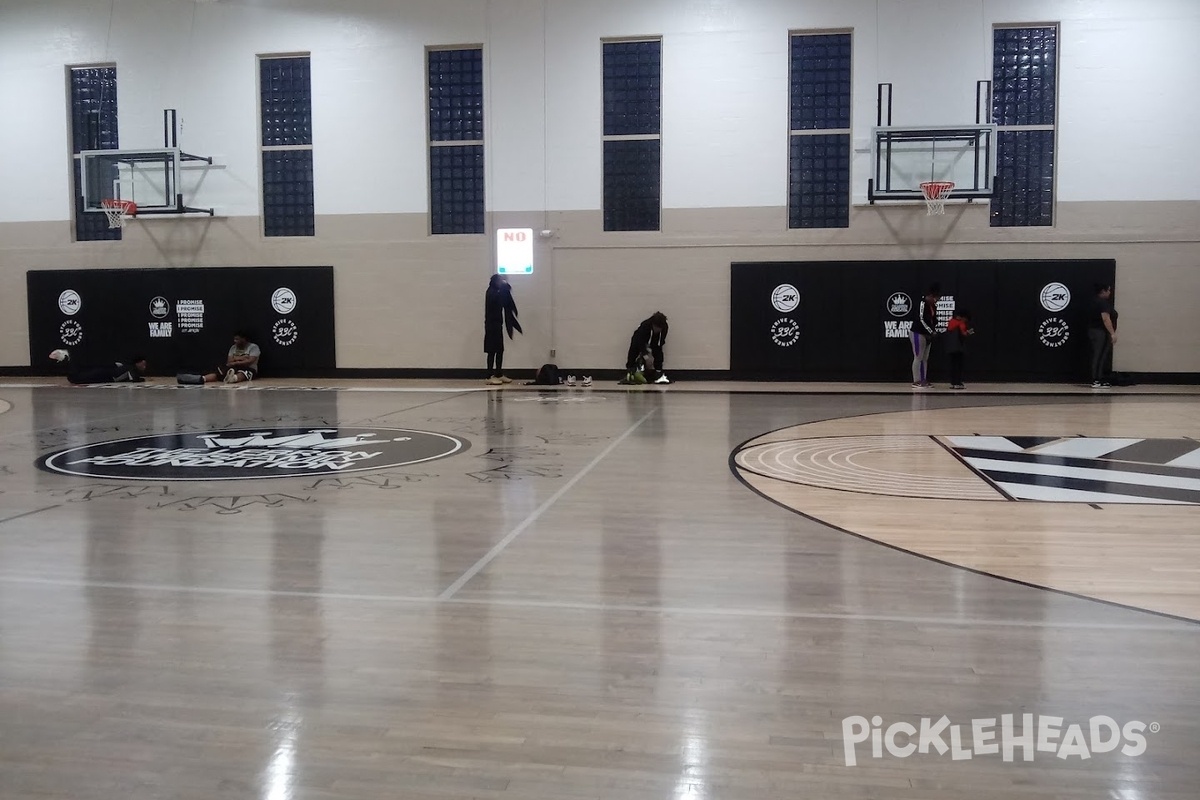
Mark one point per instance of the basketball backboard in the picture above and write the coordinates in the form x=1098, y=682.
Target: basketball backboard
x=150, y=177
x=903, y=158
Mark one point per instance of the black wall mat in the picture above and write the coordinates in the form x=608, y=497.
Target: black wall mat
x=183, y=319
x=848, y=320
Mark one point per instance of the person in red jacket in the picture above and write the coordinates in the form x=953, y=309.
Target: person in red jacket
x=957, y=331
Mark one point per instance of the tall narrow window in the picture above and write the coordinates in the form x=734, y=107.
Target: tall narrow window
x=93, y=127
x=819, y=144
x=633, y=135
x=456, y=187
x=1024, y=106
x=285, y=104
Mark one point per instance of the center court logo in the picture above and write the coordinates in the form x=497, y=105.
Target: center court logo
x=1046, y=734
x=785, y=298
x=254, y=453
x=1055, y=297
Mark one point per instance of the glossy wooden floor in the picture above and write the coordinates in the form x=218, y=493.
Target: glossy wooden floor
x=585, y=604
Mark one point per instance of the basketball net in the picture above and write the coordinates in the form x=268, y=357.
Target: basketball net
x=118, y=211
x=936, y=193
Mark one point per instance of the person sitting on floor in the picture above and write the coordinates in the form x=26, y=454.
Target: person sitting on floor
x=241, y=364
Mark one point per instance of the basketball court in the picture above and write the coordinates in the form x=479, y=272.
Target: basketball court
x=583, y=593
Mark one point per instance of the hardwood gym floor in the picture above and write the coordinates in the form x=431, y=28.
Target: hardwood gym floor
x=528, y=595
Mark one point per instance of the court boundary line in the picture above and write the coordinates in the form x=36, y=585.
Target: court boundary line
x=731, y=463
x=567, y=605
x=522, y=526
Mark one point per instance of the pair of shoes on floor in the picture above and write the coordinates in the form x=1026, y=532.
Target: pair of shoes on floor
x=1101, y=385
x=957, y=386
x=60, y=355
x=586, y=380
x=231, y=376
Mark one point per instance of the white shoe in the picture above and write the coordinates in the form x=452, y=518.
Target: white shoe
x=587, y=380
x=60, y=355
x=231, y=376
x=663, y=379
x=570, y=380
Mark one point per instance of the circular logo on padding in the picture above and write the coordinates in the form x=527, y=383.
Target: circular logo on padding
x=1055, y=297
x=1054, y=332
x=69, y=302
x=785, y=298
x=252, y=453
x=283, y=300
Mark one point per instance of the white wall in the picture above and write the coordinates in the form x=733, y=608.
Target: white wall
x=1129, y=71
x=1127, y=117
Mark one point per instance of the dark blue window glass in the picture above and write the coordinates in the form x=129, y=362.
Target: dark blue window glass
x=632, y=188
x=93, y=127
x=456, y=189
x=456, y=95
x=819, y=188
x=1025, y=76
x=633, y=107
x=1024, y=191
x=1024, y=92
x=285, y=95
x=632, y=88
x=820, y=81
x=285, y=85
x=288, y=193
x=456, y=178
x=819, y=164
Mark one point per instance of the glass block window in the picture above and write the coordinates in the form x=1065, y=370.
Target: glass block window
x=285, y=109
x=456, y=178
x=288, y=193
x=633, y=135
x=819, y=184
x=819, y=144
x=93, y=110
x=1024, y=106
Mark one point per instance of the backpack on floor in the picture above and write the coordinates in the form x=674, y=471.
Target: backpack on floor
x=547, y=375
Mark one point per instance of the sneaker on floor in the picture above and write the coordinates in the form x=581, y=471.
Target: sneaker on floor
x=1097, y=385
x=587, y=380
x=495, y=381
x=505, y=379
x=230, y=376
x=60, y=355
x=570, y=380
x=957, y=386
x=1105, y=385
x=919, y=386
x=663, y=379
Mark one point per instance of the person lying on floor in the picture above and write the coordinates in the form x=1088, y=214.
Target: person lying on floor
x=131, y=370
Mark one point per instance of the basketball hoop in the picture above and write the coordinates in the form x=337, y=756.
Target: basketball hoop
x=118, y=210
x=936, y=193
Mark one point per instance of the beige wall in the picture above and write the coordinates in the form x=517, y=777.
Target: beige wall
x=405, y=299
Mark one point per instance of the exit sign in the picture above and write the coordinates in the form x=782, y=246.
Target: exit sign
x=514, y=251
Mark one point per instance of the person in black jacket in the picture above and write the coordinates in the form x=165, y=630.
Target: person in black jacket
x=924, y=329
x=1102, y=334
x=499, y=315
x=129, y=371
x=649, y=337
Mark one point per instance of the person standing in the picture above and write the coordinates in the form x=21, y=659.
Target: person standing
x=957, y=331
x=924, y=328
x=1102, y=334
x=499, y=315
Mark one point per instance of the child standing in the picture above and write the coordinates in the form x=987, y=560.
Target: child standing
x=957, y=331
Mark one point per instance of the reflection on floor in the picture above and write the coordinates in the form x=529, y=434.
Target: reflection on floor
x=580, y=601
